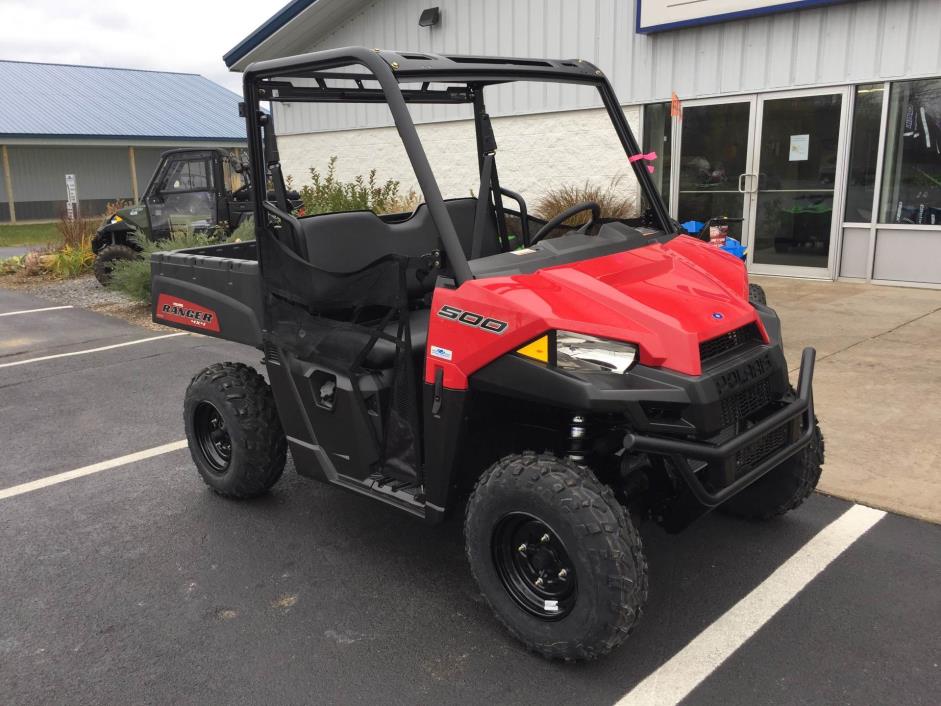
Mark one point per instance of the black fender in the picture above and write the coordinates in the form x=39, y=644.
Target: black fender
x=120, y=233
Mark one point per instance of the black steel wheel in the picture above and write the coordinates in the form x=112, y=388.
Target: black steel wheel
x=211, y=436
x=234, y=433
x=556, y=557
x=534, y=566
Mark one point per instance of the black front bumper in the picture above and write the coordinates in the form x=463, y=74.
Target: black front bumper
x=797, y=416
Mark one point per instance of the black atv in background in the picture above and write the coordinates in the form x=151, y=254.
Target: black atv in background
x=204, y=190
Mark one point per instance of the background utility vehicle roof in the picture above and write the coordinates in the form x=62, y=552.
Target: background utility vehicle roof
x=62, y=100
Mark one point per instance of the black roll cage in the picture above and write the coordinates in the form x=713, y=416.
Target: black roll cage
x=389, y=69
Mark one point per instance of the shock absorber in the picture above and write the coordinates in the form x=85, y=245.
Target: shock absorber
x=578, y=438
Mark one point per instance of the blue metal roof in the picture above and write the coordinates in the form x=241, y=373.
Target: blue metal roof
x=61, y=100
x=269, y=27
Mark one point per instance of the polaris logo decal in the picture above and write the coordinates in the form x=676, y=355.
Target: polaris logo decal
x=180, y=311
x=717, y=315
x=443, y=353
x=469, y=318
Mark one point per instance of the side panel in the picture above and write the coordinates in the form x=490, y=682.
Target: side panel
x=215, y=296
x=444, y=431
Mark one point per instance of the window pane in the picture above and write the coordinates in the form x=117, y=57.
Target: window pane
x=864, y=148
x=658, y=138
x=911, y=179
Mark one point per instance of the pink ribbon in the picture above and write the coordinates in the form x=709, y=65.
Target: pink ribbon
x=649, y=157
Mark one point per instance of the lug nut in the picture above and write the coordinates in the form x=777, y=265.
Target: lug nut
x=544, y=538
x=539, y=582
x=563, y=573
x=521, y=549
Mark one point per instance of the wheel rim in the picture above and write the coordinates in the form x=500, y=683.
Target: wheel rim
x=213, y=439
x=534, y=566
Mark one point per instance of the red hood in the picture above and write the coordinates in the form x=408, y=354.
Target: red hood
x=665, y=298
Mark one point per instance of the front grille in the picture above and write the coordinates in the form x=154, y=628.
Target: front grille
x=747, y=335
x=746, y=402
x=755, y=453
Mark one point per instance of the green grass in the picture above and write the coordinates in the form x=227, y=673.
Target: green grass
x=28, y=234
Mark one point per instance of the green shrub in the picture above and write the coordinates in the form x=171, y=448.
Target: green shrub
x=133, y=276
x=615, y=201
x=327, y=194
x=72, y=260
x=11, y=265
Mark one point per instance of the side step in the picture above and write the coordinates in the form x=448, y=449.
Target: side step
x=406, y=490
x=405, y=495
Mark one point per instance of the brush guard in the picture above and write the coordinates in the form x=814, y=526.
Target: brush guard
x=799, y=413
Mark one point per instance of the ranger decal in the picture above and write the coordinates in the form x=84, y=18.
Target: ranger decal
x=180, y=311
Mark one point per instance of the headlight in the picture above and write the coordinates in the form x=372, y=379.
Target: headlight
x=115, y=219
x=581, y=352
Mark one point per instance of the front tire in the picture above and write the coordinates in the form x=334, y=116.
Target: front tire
x=555, y=556
x=234, y=433
x=756, y=295
x=781, y=489
x=107, y=256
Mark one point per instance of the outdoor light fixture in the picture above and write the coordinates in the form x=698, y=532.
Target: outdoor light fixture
x=429, y=17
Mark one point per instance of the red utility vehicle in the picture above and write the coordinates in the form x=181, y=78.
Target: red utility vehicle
x=558, y=384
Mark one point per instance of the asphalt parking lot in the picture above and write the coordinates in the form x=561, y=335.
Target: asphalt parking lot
x=132, y=583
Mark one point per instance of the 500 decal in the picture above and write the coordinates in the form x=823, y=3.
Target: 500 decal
x=469, y=318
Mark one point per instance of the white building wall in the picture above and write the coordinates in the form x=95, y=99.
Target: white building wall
x=526, y=159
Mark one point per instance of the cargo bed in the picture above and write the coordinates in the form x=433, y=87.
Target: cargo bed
x=214, y=290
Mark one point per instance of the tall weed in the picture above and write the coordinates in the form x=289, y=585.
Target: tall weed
x=615, y=201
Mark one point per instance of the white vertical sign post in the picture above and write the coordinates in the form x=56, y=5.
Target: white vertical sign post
x=71, y=200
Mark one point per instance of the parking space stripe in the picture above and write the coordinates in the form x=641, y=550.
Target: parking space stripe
x=36, y=311
x=689, y=667
x=89, y=470
x=92, y=350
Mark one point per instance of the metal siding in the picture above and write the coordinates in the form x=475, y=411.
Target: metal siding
x=855, y=42
x=39, y=172
x=57, y=99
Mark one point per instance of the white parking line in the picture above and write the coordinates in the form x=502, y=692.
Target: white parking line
x=677, y=678
x=92, y=350
x=35, y=311
x=88, y=470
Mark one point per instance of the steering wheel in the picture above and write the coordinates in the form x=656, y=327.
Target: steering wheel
x=565, y=215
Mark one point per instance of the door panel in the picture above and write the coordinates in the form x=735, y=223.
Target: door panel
x=799, y=142
x=184, y=198
x=714, y=153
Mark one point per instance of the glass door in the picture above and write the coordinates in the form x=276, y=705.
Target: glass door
x=795, y=181
x=714, y=147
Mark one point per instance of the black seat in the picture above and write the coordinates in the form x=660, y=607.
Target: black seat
x=349, y=241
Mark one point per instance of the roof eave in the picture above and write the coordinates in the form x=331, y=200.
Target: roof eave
x=265, y=31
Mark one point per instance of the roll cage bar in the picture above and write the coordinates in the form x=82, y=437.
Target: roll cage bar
x=389, y=69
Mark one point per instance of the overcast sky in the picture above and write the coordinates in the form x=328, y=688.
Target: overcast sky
x=168, y=35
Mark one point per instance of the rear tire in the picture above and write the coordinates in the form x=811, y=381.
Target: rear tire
x=782, y=489
x=756, y=295
x=531, y=517
x=233, y=430
x=107, y=256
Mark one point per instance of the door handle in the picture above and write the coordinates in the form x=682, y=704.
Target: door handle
x=742, y=189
